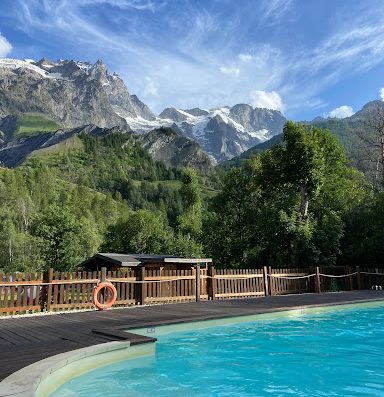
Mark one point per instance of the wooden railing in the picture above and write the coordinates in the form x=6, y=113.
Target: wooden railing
x=57, y=291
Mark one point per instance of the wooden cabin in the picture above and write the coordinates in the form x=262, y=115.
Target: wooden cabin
x=114, y=261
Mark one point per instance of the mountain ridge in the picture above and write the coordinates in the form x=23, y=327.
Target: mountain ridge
x=76, y=93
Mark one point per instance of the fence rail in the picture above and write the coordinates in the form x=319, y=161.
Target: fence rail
x=57, y=291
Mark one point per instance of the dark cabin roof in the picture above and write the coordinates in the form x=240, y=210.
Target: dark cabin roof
x=131, y=260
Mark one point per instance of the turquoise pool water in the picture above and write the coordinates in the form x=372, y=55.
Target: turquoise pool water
x=326, y=354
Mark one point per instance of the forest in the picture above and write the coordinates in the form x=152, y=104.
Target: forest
x=296, y=204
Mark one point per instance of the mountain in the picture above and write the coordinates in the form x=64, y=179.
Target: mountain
x=243, y=157
x=222, y=132
x=20, y=141
x=174, y=150
x=228, y=131
x=68, y=92
x=74, y=93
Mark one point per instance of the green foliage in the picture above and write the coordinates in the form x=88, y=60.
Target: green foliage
x=64, y=239
x=61, y=206
x=141, y=232
x=106, y=193
x=258, y=218
x=36, y=206
x=363, y=243
x=34, y=123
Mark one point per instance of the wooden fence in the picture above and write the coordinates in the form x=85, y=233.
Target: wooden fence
x=56, y=291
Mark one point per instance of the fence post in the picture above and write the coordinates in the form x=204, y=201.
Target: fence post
x=358, y=277
x=270, y=284
x=197, y=288
x=49, y=292
x=350, y=279
x=103, y=274
x=266, y=281
x=317, y=280
x=212, y=283
x=376, y=277
x=143, y=286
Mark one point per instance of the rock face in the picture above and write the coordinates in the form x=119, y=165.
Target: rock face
x=165, y=145
x=71, y=93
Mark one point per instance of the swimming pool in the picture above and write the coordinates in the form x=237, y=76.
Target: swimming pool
x=330, y=353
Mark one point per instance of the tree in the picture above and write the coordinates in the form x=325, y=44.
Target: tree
x=372, y=136
x=229, y=227
x=141, y=232
x=63, y=238
x=286, y=206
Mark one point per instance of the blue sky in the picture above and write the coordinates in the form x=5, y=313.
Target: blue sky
x=304, y=57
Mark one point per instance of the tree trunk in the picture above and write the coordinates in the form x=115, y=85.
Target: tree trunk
x=382, y=160
x=304, y=203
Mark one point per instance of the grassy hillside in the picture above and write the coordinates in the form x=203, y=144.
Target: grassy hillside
x=34, y=123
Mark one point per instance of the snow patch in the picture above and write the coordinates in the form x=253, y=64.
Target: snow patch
x=29, y=64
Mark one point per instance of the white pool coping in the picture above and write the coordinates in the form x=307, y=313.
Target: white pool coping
x=43, y=377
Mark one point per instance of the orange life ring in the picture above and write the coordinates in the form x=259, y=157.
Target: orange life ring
x=106, y=305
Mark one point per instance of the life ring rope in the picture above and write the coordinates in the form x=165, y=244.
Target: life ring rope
x=111, y=288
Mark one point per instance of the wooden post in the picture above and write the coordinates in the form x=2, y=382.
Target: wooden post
x=266, y=281
x=350, y=279
x=358, y=277
x=49, y=292
x=143, y=286
x=376, y=277
x=213, y=287
x=270, y=284
x=317, y=280
x=103, y=274
x=161, y=286
x=197, y=289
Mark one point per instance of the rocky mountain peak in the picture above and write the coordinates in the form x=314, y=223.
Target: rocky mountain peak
x=173, y=114
x=197, y=112
x=69, y=92
x=98, y=70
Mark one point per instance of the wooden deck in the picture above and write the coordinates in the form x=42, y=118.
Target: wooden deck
x=25, y=340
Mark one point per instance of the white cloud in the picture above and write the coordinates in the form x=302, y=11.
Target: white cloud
x=245, y=57
x=341, y=112
x=381, y=93
x=269, y=100
x=230, y=71
x=151, y=88
x=5, y=47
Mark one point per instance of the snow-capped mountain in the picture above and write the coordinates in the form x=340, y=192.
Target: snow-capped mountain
x=223, y=132
x=71, y=93
x=75, y=93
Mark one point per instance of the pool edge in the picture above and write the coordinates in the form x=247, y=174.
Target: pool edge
x=45, y=376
